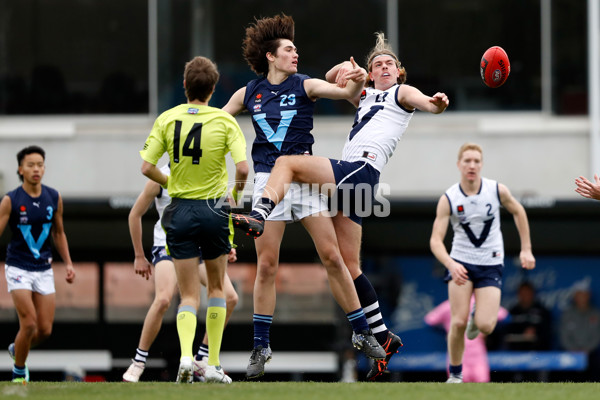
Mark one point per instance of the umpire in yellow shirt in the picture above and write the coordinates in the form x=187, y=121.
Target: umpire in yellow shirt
x=197, y=138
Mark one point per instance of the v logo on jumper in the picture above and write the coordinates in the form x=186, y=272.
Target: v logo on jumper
x=275, y=137
x=35, y=245
x=478, y=241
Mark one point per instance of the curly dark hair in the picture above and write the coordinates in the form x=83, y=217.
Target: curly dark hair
x=263, y=37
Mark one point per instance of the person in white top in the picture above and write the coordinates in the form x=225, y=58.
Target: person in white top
x=476, y=260
x=165, y=279
x=385, y=108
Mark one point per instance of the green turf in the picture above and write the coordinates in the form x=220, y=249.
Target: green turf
x=300, y=391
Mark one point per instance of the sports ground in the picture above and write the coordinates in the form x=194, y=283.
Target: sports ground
x=301, y=391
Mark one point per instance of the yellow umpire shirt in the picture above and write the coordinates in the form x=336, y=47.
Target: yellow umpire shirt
x=197, y=139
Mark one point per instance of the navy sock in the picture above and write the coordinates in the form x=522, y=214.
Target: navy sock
x=370, y=304
x=263, y=209
x=202, y=352
x=18, y=372
x=455, y=369
x=262, y=325
x=358, y=320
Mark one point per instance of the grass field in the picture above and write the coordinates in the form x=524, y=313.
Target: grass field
x=300, y=391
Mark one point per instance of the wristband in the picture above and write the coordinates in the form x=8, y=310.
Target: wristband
x=236, y=196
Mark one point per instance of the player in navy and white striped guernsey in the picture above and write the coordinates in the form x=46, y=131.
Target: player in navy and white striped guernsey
x=34, y=212
x=476, y=261
x=384, y=111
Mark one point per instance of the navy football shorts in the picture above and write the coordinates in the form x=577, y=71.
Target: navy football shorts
x=481, y=275
x=356, y=185
x=194, y=224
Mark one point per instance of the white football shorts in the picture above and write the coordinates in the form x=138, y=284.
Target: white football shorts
x=301, y=200
x=41, y=282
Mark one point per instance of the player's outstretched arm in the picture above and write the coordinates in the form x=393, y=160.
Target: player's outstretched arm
x=235, y=105
x=588, y=189
x=354, y=77
x=411, y=97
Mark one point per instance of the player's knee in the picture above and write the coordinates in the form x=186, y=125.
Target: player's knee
x=162, y=303
x=487, y=327
x=333, y=261
x=286, y=164
x=44, y=333
x=28, y=327
x=231, y=299
x=282, y=162
x=459, y=324
x=267, y=269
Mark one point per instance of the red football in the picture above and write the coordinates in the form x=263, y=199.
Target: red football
x=494, y=67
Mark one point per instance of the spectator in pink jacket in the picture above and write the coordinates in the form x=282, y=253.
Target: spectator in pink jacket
x=475, y=361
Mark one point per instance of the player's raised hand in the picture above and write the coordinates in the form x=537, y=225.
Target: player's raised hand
x=349, y=70
x=356, y=74
x=440, y=101
x=588, y=189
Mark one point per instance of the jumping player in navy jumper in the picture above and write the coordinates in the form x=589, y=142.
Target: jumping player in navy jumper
x=33, y=212
x=281, y=103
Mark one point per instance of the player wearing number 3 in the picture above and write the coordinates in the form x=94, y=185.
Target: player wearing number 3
x=197, y=138
x=385, y=108
x=476, y=261
x=34, y=212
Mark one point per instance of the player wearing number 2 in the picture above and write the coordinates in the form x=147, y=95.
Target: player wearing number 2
x=385, y=108
x=476, y=261
x=197, y=137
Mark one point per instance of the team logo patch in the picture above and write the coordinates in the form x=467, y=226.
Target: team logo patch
x=460, y=209
x=370, y=156
x=193, y=110
x=257, y=108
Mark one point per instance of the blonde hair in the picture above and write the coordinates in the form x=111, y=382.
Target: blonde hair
x=469, y=146
x=382, y=47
